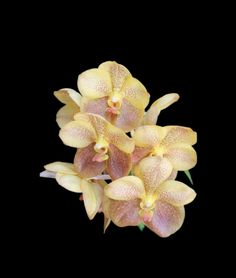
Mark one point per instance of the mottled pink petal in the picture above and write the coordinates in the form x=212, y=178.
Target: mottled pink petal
x=125, y=213
x=84, y=163
x=119, y=163
x=167, y=219
x=129, y=118
x=95, y=106
x=139, y=153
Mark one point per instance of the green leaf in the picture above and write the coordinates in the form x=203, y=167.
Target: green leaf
x=187, y=173
x=141, y=226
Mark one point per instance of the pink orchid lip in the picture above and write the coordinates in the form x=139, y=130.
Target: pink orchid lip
x=113, y=110
x=100, y=157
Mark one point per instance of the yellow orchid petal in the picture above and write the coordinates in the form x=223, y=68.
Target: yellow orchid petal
x=130, y=117
x=150, y=118
x=95, y=106
x=66, y=114
x=167, y=219
x=117, y=72
x=149, y=135
x=92, y=196
x=176, y=193
x=153, y=171
x=182, y=156
x=125, y=213
x=135, y=93
x=78, y=134
x=125, y=189
x=67, y=96
x=69, y=182
x=166, y=100
x=179, y=134
x=118, y=163
x=94, y=83
x=118, y=138
x=98, y=123
x=84, y=163
x=62, y=167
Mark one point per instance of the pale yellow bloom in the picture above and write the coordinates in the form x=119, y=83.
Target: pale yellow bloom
x=101, y=146
x=172, y=142
x=112, y=92
x=149, y=197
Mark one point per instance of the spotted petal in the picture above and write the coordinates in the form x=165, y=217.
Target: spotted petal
x=119, y=139
x=139, y=153
x=176, y=193
x=125, y=189
x=130, y=117
x=135, y=93
x=95, y=106
x=78, y=134
x=94, y=83
x=167, y=219
x=153, y=171
x=149, y=135
x=117, y=72
x=125, y=213
x=179, y=134
x=182, y=156
x=84, y=163
x=119, y=163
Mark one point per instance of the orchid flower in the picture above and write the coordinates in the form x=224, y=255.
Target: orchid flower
x=71, y=99
x=112, y=92
x=149, y=198
x=67, y=176
x=172, y=142
x=101, y=146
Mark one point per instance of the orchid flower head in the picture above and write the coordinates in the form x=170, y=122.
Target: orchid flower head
x=100, y=146
x=112, y=92
x=150, y=197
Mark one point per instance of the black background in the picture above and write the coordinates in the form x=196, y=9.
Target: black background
x=166, y=56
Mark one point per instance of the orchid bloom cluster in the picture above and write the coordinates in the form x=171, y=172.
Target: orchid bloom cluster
x=124, y=165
